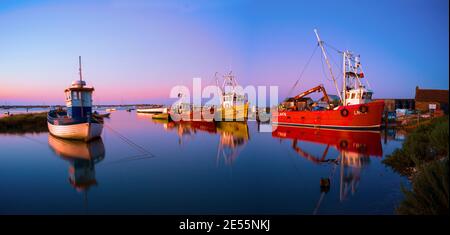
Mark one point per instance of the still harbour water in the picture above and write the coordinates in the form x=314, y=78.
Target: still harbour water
x=143, y=166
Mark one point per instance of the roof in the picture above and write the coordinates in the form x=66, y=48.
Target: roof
x=431, y=95
x=79, y=89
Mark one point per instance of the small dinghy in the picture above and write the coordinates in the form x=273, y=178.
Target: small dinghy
x=102, y=115
x=78, y=121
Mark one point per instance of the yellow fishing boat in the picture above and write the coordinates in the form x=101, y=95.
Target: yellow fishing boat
x=234, y=105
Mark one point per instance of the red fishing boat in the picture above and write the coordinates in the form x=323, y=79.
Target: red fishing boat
x=354, y=108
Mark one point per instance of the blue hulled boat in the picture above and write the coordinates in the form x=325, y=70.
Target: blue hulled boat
x=78, y=121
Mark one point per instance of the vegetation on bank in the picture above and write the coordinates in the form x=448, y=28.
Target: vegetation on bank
x=424, y=159
x=22, y=123
x=429, y=193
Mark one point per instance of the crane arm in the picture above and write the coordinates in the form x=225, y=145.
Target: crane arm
x=318, y=88
x=308, y=156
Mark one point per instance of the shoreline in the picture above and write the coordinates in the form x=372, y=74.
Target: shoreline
x=24, y=123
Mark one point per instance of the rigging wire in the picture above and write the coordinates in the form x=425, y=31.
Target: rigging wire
x=332, y=47
x=323, y=69
x=303, y=71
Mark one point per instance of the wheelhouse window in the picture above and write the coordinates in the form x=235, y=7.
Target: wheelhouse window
x=67, y=95
x=74, y=95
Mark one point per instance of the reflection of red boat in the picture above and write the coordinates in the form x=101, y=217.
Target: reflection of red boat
x=209, y=127
x=363, y=142
x=355, y=149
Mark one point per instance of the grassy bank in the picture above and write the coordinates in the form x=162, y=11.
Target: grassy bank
x=423, y=158
x=22, y=123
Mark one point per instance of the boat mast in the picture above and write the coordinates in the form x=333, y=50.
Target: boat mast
x=81, y=85
x=328, y=63
x=81, y=76
x=344, y=79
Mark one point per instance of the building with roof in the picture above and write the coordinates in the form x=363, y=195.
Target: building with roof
x=428, y=99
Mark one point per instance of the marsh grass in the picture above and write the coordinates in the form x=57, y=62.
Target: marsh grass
x=24, y=123
x=423, y=158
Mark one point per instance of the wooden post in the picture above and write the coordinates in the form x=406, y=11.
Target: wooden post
x=386, y=119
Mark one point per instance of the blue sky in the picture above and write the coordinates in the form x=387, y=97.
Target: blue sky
x=135, y=51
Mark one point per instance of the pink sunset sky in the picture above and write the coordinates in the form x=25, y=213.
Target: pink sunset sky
x=136, y=51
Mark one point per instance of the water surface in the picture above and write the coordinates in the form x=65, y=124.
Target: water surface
x=140, y=166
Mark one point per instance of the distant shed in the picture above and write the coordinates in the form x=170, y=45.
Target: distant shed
x=426, y=98
x=391, y=105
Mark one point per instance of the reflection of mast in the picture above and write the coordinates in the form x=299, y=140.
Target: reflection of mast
x=351, y=165
x=233, y=138
x=324, y=190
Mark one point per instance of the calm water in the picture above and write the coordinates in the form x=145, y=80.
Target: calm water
x=198, y=169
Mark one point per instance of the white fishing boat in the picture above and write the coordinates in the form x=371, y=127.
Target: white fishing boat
x=151, y=110
x=77, y=121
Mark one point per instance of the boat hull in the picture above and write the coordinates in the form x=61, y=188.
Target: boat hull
x=151, y=110
x=233, y=113
x=361, y=116
x=80, y=131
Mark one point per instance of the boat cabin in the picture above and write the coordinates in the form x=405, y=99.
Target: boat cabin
x=232, y=99
x=358, y=96
x=79, y=100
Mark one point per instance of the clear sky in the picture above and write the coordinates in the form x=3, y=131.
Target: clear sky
x=136, y=51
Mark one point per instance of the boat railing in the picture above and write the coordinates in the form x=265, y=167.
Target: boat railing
x=54, y=118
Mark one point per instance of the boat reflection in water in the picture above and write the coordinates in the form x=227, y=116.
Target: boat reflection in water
x=233, y=136
x=355, y=149
x=82, y=157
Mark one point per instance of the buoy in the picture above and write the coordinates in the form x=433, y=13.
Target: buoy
x=325, y=184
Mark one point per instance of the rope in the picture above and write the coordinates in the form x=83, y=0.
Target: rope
x=303, y=71
x=130, y=142
x=126, y=140
x=323, y=70
x=332, y=47
x=129, y=158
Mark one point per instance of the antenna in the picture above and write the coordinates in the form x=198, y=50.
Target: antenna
x=328, y=63
x=79, y=63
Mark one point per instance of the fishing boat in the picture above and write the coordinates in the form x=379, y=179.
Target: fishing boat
x=184, y=111
x=77, y=121
x=355, y=108
x=162, y=116
x=101, y=115
x=234, y=105
x=151, y=110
